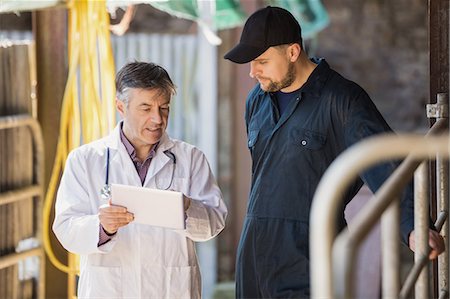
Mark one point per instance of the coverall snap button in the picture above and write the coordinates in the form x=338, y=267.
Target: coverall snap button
x=303, y=142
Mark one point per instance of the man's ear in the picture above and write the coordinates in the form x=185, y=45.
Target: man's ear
x=294, y=51
x=120, y=105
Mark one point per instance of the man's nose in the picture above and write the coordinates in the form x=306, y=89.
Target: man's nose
x=156, y=117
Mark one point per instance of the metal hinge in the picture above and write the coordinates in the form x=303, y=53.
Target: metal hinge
x=437, y=110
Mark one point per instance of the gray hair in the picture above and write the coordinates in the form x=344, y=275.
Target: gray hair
x=145, y=76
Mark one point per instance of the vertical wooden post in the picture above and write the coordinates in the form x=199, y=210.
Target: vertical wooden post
x=50, y=30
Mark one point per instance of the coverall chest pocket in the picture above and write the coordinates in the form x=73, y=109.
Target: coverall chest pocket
x=307, y=139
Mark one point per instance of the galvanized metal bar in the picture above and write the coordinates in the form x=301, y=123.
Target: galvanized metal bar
x=340, y=174
x=366, y=220
x=421, y=220
x=442, y=181
x=440, y=126
x=441, y=220
x=390, y=251
x=347, y=243
x=20, y=194
x=413, y=275
x=420, y=263
x=442, y=197
x=443, y=295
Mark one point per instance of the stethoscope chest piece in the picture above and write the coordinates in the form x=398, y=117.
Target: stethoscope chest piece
x=105, y=192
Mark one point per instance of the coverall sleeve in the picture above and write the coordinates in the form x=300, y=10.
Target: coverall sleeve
x=207, y=212
x=364, y=120
x=76, y=223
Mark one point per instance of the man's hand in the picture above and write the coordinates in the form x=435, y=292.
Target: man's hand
x=112, y=217
x=435, y=241
x=187, y=202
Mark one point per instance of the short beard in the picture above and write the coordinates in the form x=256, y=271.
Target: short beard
x=285, y=82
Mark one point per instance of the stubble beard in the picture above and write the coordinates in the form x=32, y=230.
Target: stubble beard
x=285, y=82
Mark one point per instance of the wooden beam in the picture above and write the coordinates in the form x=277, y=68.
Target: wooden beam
x=50, y=31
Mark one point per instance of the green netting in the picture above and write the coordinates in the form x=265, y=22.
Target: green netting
x=228, y=15
x=225, y=13
x=311, y=14
x=186, y=9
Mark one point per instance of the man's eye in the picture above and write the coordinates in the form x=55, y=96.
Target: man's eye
x=146, y=109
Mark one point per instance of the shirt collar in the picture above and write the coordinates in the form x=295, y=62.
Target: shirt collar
x=130, y=148
x=315, y=81
x=317, y=78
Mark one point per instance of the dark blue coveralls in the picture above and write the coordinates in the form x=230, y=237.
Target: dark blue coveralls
x=289, y=156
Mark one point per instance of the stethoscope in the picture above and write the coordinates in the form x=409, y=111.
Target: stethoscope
x=172, y=157
x=106, y=190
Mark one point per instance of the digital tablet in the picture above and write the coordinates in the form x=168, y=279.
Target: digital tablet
x=154, y=207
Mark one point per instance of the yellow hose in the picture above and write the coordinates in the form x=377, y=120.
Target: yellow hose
x=87, y=111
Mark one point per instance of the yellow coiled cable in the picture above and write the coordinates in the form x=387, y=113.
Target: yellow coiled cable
x=87, y=111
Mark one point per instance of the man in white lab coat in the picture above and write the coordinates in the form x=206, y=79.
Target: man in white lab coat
x=118, y=257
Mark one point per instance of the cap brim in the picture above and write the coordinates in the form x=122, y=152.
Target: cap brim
x=243, y=53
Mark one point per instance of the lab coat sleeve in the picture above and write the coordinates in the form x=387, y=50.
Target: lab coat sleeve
x=207, y=212
x=76, y=223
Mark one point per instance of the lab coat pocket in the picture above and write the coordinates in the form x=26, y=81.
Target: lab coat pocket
x=182, y=282
x=101, y=282
x=307, y=139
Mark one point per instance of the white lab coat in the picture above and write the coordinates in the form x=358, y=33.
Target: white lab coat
x=140, y=261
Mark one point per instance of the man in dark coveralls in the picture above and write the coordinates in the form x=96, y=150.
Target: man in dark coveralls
x=300, y=116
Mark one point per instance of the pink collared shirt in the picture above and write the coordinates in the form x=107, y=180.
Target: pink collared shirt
x=141, y=169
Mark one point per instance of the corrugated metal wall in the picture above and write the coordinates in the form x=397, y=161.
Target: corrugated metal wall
x=177, y=54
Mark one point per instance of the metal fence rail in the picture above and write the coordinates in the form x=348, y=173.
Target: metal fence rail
x=333, y=258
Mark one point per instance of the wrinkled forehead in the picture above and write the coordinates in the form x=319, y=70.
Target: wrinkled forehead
x=148, y=95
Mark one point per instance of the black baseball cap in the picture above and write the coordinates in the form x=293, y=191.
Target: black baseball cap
x=265, y=28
